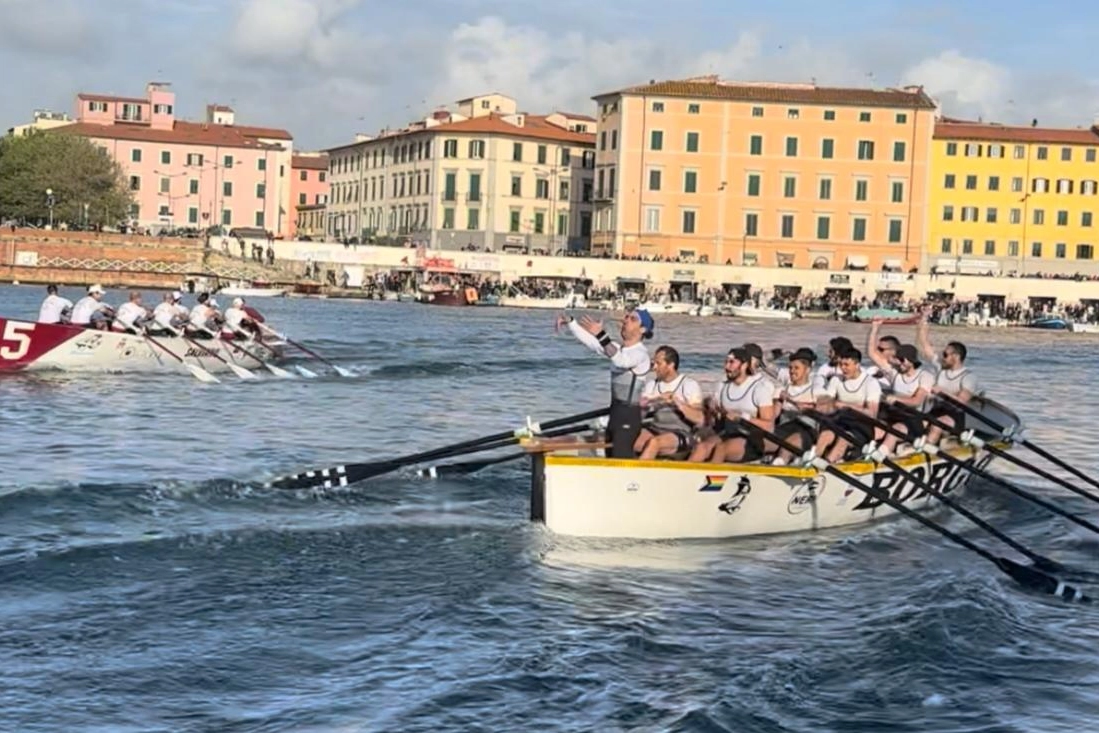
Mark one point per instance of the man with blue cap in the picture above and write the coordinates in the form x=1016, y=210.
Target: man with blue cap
x=630, y=363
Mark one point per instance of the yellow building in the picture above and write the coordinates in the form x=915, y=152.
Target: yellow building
x=1020, y=199
x=787, y=175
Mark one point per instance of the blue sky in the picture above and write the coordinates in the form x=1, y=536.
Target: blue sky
x=325, y=69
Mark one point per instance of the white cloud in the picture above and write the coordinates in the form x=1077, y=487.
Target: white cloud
x=964, y=84
x=302, y=31
x=64, y=28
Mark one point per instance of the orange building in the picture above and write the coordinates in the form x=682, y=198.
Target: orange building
x=788, y=175
x=309, y=189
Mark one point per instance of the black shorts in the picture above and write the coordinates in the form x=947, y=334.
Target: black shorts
x=796, y=427
x=947, y=410
x=685, y=441
x=753, y=449
x=855, y=424
x=913, y=425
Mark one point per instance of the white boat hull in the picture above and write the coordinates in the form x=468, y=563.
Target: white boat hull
x=253, y=292
x=522, y=301
x=768, y=314
x=1084, y=327
x=590, y=496
x=26, y=346
x=684, y=309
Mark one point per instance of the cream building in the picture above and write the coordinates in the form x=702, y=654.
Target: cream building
x=483, y=176
x=43, y=119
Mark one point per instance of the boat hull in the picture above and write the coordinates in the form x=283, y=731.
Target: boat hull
x=768, y=314
x=591, y=496
x=1077, y=327
x=444, y=297
x=26, y=346
x=558, y=304
x=253, y=292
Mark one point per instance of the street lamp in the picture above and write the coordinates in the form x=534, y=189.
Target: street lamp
x=49, y=204
x=86, y=207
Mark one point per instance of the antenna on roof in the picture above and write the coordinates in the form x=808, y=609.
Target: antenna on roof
x=1034, y=122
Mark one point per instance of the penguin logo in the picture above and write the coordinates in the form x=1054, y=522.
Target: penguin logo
x=743, y=488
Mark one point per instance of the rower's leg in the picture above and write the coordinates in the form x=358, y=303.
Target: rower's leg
x=665, y=444
x=838, y=450
x=643, y=440
x=935, y=433
x=704, y=449
x=731, y=451
x=823, y=441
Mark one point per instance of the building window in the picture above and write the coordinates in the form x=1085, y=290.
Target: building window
x=1087, y=188
x=1064, y=185
x=694, y=109
x=946, y=246
x=476, y=149
x=517, y=185
x=302, y=198
x=1066, y=154
x=542, y=151
x=995, y=151
x=517, y=152
x=1060, y=250
x=193, y=186
x=656, y=140
x=789, y=187
x=192, y=215
x=652, y=219
x=755, y=145
x=227, y=188
x=1040, y=185
x=753, y=184
x=1085, y=219
x=1016, y=184
x=1089, y=155
x=1084, y=252
x=824, y=226
x=969, y=213
x=226, y=217
x=475, y=187
x=259, y=218
x=1043, y=152
x=1016, y=216
x=135, y=183
x=1019, y=152
x=164, y=210
x=864, y=116
x=751, y=225
x=948, y=213
x=897, y=192
x=165, y=157
x=1062, y=218
x=1035, y=249
x=688, y=222
x=990, y=247
x=539, y=222
x=895, y=230
x=827, y=148
x=952, y=149
x=692, y=142
x=513, y=220
x=948, y=180
x=1013, y=248
x=829, y=115
x=861, y=190
x=541, y=189
x=898, y=151
x=901, y=118
x=261, y=164
x=972, y=150
x=971, y=183
x=866, y=150
x=991, y=214
x=793, y=113
x=304, y=176
x=858, y=229
x=563, y=191
x=654, y=179
x=787, y=226
x=261, y=190
x=165, y=184
x=658, y=106
x=566, y=157
x=993, y=183
x=791, y=147
x=450, y=185
x=448, y=217
x=322, y=176
x=690, y=182
x=562, y=224
x=825, y=189
x=135, y=155
x=757, y=111
x=1039, y=216
x=967, y=246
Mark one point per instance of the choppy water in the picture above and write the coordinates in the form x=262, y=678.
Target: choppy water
x=147, y=585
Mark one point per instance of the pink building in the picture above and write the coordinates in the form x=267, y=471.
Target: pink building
x=308, y=188
x=191, y=174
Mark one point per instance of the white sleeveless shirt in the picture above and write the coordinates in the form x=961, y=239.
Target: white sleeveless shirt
x=747, y=398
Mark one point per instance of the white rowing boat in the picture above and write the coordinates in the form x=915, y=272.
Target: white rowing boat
x=253, y=292
x=520, y=300
x=26, y=346
x=592, y=496
x=749, y=309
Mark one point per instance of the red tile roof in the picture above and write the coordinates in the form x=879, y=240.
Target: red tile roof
x=110, y=98
x=310, y=162
x=776, y=93
x=534, y=126
x=960, y=130
x=271, y=133
x=183, y=133
x=571, y=116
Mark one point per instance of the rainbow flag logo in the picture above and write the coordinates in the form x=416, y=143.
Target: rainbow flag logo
x=714, y=483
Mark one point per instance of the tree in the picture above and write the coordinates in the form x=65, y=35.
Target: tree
x=77, y=170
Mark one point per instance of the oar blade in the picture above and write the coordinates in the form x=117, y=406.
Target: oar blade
x=336, y=476
x=241, y=371
x=305, y=372
x=202, y=375
x=278, y=371
x=343, y=372
x=1034, y=579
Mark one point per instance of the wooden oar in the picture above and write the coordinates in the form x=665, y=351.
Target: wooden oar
x=277, y=371
x=338, y=369
x=1028, y=577
x=196, y=371
x=353, y=472
x=871, y=451
x=471, y=466
x=1009, y=434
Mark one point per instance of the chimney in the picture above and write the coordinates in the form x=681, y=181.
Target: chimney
x=1034, y=122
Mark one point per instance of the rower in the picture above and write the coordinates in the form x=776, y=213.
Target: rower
x=203, y=316
x=954, y=379
x=886, y=347
x=55, y=309
x=838, y=345
x=800, y=393
x=909, y=385
x=236, y=321
x=629, y=364
x=90, y=311
x=131, y=315
x=668, y=431
x=854, y=389
x=171, y=315
x=743, y=397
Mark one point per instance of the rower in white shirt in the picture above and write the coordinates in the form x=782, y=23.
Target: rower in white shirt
x=131, y=316
x=800, y=393
x=171, y=315
x=629, y=364
x=853, y=390
x=910, y=386
x=203, y=316
x=836, y=346
x=236, y=318
x=90, y=311
x=55, y=309
x=667, y=430
x=886, y=348
x=954, y=379
x=743, y=398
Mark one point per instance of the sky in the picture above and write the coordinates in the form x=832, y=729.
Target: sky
x=326, y=69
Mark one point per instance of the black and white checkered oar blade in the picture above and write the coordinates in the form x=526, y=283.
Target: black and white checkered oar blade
x=325, y=478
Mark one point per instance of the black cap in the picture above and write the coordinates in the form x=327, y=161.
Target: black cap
x=754, y=350
x=841, y=344
x=740, y=354
x=804, y=354
x=909, y=353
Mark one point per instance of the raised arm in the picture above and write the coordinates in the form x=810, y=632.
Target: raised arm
x=872, y=347
x=923, y=342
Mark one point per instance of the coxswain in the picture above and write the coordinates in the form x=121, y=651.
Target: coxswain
x=836, y=346
x=853, y=390
x=629, y=364
x=90, y=311
x=666, y=430
x=55, y=309
x=744, y=397
x=236, y=321
x=909, y=385
x=800, y=393
x=171, y=315
x=131, y=315
x=954, y=379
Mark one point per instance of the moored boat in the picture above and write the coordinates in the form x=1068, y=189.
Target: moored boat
x=749, y=309
x=889, y=316
x=256, y=289
x=27, y=346
x=521, y=300
x=1079, y=327
x=592, y=496
x=1049, y=323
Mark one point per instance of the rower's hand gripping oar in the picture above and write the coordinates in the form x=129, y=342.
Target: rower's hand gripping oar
x=277, y=371
x=234, y=368
x=350, y=473
x=338, y=369
x=871, y=451
x=1026, y=576
x=1010, y=434
x=448, y=469
x=196, y=371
